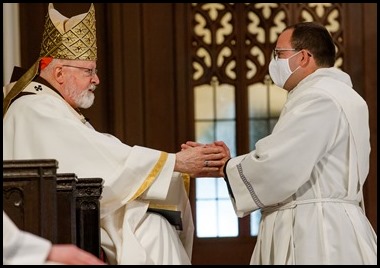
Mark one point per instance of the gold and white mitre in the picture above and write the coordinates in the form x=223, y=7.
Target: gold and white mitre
x=63, y=38
x=69, y=38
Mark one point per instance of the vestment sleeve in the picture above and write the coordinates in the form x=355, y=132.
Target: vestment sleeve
x=283, y=161
x=44, y=127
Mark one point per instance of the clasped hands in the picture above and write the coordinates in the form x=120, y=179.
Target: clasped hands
x=202, y=160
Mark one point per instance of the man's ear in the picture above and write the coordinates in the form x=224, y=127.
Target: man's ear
x=306, y=57
x=57, y=74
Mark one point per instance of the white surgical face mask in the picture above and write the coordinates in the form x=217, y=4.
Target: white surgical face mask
x=279, y=70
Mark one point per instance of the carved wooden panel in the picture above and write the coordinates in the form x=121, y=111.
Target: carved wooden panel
x=88, y=194
x=59, y=207
x=66, y=207
x=29, y=195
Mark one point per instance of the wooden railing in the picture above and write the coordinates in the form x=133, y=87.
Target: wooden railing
x=57, y=206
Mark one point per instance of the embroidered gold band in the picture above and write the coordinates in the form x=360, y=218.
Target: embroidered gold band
x=152, y=175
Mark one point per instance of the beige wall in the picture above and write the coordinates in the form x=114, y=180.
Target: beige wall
x=11, y=39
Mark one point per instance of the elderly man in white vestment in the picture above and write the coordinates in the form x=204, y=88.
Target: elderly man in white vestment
x=307, y=176
x=41, y=119
x=23, y=248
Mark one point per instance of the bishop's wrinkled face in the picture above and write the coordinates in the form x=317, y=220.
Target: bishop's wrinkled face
x=80, y=81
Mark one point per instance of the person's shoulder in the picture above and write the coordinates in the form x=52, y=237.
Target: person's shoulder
x=28, y=103
x=25, y=103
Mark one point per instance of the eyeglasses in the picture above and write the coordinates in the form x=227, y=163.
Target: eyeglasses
x=276, y=52
x=90, y=72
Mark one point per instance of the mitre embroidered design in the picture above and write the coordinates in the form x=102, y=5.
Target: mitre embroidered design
x=71, y=39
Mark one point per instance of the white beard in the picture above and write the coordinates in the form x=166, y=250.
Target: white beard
x=85, y=99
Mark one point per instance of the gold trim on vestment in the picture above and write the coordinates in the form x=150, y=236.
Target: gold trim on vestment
x=164, y=206
x=20, y=85
x=152, y=175
x=186, y=182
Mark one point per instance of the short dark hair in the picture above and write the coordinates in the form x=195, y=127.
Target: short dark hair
x=315, y=38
